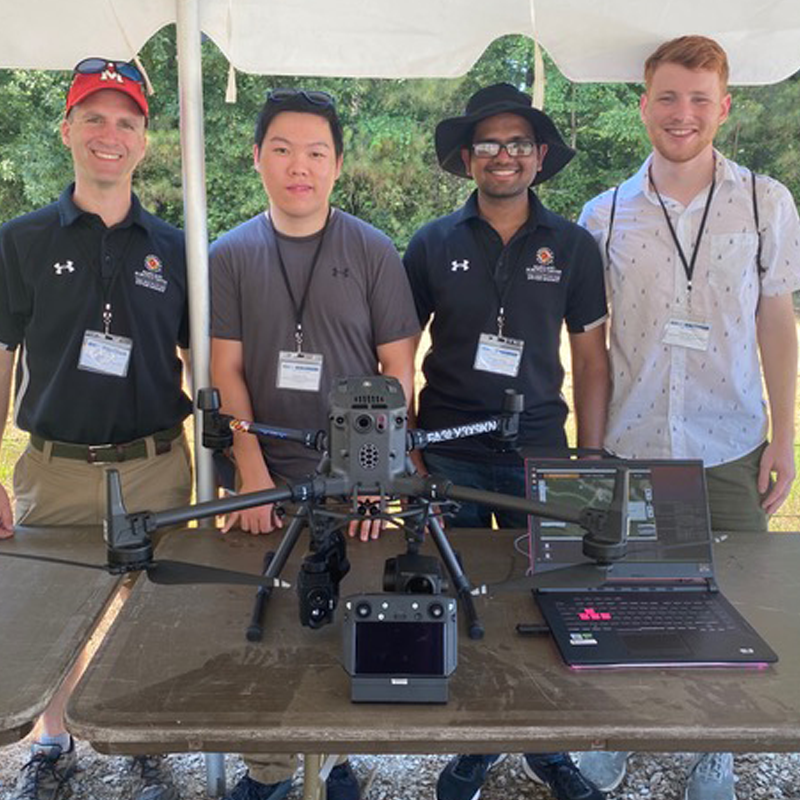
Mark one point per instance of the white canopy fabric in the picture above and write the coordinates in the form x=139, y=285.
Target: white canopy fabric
x=590, y=40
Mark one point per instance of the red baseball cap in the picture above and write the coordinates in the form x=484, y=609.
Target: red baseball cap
x=107, y=76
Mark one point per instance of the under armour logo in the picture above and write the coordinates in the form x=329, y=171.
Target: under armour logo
x=111, y=75
x=459, y=265
x=345, y=273
x=62, y=268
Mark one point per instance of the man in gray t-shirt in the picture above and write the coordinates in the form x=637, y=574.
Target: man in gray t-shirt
x=301, y=295
x=358, y=301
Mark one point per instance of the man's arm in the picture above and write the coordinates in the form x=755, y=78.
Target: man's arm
x=777, y=342
x=185, y=356
x=227, y=374
x=397, y=360
x=6, y=370
x=590, y=384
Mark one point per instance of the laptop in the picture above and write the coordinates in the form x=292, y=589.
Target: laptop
x=660, y=605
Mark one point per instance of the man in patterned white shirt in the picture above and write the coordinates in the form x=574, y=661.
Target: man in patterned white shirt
x=702, y=257
x=701, y=276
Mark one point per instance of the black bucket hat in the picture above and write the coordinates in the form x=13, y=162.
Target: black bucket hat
x=456, y=132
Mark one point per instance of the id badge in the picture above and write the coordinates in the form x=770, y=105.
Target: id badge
x=687, y=333
x=499, y=355
x=106, y=354
x=299, y=371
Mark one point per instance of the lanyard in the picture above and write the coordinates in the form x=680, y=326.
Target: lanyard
x=688, y=266
x=299, y=308
x=108, y=280
x=501, y=294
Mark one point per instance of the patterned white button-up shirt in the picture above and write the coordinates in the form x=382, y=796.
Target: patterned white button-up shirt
x=671, y=401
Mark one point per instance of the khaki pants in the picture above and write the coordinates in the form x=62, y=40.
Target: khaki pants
x=733, y=497
x=65, y=491
x=274, y=767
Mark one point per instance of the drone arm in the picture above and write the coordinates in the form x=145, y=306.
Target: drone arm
x=419, y=439
x=316, y=489
x=311, y=438
x=438, y=489
x=504, y=426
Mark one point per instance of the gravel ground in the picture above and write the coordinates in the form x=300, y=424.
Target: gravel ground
x=766, y=776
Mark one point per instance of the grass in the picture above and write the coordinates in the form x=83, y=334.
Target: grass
x=787, y=519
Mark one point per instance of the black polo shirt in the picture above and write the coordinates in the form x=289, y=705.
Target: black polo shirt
x=548, y=273
x=57, y=267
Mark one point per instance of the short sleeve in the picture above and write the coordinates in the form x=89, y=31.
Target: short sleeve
x=416, y=263
x=391, y=302
x=780, y=255
x=15, y=302
x=226, y=318
x=586, y=300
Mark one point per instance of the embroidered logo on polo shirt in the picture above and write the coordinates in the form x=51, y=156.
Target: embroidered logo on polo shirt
x=544, y=269
x=60, y=269
x=150, y=277
x=455, y=266
x=343, y=271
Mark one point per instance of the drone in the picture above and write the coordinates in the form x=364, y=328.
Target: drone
x=364, y=454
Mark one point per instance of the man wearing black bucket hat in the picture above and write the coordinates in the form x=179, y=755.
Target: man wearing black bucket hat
x=499, y=278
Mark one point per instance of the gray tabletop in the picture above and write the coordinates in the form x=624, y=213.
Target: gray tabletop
x=47, y=613
x=176, y=674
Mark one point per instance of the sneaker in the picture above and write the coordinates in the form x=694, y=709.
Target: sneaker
x=604, y=768
x=248, y=789
x=156, y=778
x=463, y=777
x=711, y=778
x=559, y=773
x=47, y=773
x=342, y=783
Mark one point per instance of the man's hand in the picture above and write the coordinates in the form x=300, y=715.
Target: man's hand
x=6, y=518
x=777, y=459
x=259, y=519
x=368, y=528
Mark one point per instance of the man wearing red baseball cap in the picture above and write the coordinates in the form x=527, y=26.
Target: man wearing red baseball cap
x=93, y=298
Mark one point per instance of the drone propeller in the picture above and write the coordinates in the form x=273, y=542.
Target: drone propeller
x=53, y=560
x=180, y=573
x=170, y=573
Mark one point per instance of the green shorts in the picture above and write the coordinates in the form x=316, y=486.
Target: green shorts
x=733, y=497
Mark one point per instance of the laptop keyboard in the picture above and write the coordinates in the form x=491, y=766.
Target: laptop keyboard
x=595, y=612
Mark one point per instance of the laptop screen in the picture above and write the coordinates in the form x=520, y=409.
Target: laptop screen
x=669, y=535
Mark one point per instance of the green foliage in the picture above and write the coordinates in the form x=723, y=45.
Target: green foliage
x=391, y=177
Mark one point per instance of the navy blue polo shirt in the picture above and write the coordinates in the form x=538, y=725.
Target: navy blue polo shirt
x=57, y=267
x=549, y=273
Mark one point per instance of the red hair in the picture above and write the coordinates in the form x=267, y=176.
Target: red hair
x=692, y=52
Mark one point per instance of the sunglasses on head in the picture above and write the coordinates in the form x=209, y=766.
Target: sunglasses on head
x=310, y=96
x=91, y=66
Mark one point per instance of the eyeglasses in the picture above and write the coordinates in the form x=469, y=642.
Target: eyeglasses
x=515, y=148
x=310, y=96
x=91, y=66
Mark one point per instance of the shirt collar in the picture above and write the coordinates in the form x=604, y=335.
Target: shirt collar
x=639, y=183
x=537, y=216
x=69, y=212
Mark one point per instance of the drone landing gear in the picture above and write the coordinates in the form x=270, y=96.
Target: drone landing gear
x=274, y=562
x=318, y=583
x=460, y=581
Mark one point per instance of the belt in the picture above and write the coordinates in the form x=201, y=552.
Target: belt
x=111, y=453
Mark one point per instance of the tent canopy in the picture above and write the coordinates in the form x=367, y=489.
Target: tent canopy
x=590, y=40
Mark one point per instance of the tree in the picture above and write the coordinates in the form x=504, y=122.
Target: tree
x=391, y=177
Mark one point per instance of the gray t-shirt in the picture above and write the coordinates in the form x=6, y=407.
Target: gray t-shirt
x=358, y=298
